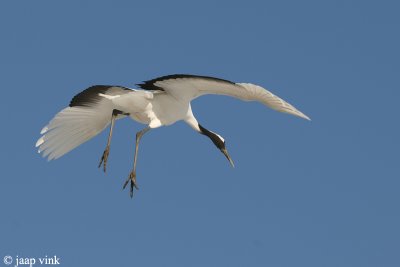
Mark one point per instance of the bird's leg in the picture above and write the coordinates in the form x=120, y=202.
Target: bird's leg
x=104, y=158
x=132, y=175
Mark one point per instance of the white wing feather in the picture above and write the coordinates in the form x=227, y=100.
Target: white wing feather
x=88, y=114
x=257, y=93
x=189, y=88
x=71, y=127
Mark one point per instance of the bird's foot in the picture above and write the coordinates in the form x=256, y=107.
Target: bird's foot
x=104, y=158
x=132, y=179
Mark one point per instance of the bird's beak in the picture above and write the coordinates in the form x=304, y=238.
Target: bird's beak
x=223, y=150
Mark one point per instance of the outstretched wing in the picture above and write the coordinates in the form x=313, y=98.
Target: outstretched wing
x=89, y=112
x=188, y=87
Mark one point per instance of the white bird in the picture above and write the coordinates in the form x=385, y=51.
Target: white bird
x=161, y=102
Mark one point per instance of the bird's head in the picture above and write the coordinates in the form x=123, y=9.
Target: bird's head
x=218, y=141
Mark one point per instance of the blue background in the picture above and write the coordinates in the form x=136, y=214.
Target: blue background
x=320, y=193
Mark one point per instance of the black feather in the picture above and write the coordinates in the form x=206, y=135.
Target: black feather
x=150, y=84
x=91, y=96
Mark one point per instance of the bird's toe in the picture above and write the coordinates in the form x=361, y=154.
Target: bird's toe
x=104, y=158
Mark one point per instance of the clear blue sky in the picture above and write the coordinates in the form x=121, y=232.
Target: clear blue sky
x=320, y=193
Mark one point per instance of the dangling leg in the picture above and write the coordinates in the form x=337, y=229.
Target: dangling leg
x=104, y=158
x=132, y=175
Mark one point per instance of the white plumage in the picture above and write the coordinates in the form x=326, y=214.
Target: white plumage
x=71, y=127
x=163, y=101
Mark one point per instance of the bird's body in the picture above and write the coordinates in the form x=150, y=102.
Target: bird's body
x=161, y=102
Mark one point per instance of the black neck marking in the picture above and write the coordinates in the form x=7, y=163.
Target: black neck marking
x=214, y=138
x=149, y=85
